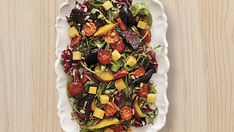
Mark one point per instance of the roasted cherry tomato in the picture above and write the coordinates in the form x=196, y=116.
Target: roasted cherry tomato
x=110, y=109
x=121, y=24
x=147, y=38
x=120, y=74
x=139, y=72
x=126, y=113
x=75, y=88
x=75, y=41
x=84, y=79
x=112, y=37
x=119, y=46
x=118, y=128
x=89, y=29
x=144, y=90
x=104, y=57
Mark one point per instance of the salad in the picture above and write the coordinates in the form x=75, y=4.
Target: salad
x=109, y=63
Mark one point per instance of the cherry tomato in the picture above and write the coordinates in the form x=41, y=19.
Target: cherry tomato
x=118, y=128
x=121, y=24
x=112, y=37
x=104, y=57
x=110, y=109
x=119, y=46
x=89, y=29
x=139, y=72
x=143, y=92
x=147, y=38
x=126, y=113
x=75, y=88
x=75, y=41
x=120, y=74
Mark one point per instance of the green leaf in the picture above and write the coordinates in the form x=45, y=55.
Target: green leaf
x=142, y=9
x=116, y=65
x=153, y=89
x=69, y=79
x=100, y=16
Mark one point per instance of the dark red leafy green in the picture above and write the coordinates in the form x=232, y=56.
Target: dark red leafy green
x=132, y=38
x=124, y=2
x=126, y=16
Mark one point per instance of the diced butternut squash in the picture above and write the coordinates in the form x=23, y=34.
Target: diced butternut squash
x=76, y=55
x=104, y=99
x=105, y=29
x=92, y=90
x=105, y=122
x=115, y=55
x=120, y=84
x=73, y=32
x=142, y=25
x=131, y=61
x=108, y=130
x=107, y=5
x=98, y=113
x=151, y=98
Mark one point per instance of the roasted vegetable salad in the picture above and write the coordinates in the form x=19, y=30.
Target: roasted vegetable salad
x=109, y=63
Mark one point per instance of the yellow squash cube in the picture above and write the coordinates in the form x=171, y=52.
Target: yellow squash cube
x=73, y=32
x=107, y=5
x=131, y=61
x=115, y=55
x=92, y=90
x=151, y=98
x=142, y=25
x=120, y=84
x=76, y=55
x=104, y=99
x=98, y=113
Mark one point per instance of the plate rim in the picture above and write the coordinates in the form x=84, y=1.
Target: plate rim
x=59, y=73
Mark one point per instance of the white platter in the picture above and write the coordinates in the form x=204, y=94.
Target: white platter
x=159, y=29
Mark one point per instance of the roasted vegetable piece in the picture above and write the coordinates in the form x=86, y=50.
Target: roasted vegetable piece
x=84, y=78
x=119, y=46
x=105, y=29
x=104, y=123
x=145, y=78
x=120, y=74
x=127, y=16
x=104, y=57
x=144, y=90
x=126, y=113
x=91, y=57
x=118, y=128
x=121, y=24
x=89, y=29
x=139, y=72
x=75, y=88
x=137, y=109
x=147, y=35
x=110, y=109
x=104, y=76
x=132, y=38
x=75, y=41
x=112, y=37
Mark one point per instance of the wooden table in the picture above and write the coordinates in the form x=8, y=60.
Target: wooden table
x=201, y=77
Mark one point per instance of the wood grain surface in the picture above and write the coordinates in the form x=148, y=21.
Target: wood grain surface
x=201, y=76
